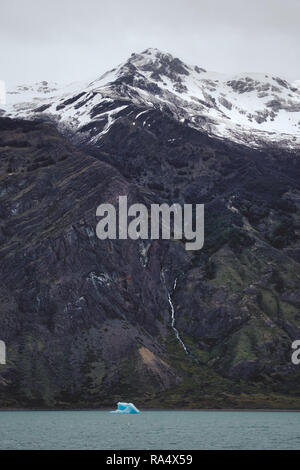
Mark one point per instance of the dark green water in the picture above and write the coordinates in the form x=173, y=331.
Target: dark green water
x=149, y=430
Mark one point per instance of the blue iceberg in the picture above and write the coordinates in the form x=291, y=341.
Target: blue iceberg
x=126, y=408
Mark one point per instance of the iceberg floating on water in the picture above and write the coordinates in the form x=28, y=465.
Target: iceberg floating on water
x=126, y=408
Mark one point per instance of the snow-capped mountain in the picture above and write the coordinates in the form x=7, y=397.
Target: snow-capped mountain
x=107, y=307
x=253, y=109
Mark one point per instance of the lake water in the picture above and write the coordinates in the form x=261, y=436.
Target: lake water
x=149, y=430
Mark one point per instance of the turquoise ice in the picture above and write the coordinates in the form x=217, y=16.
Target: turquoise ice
x=126, y=408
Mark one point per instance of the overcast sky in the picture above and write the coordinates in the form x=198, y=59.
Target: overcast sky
x=69, y=40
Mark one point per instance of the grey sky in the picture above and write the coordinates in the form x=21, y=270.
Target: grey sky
x=69, y=40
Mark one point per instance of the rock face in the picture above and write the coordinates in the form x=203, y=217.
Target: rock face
x=73, y=308
x=88, y=322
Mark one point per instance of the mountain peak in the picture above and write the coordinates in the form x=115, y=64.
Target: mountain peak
x=158, y=62
x=248, y=108
x=150, y=53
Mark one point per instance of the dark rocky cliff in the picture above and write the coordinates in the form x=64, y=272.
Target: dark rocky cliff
x=87, y=322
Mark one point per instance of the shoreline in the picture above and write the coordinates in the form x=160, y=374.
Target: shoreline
x=261, y=410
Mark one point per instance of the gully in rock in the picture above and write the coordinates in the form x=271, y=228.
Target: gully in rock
x=173, y=319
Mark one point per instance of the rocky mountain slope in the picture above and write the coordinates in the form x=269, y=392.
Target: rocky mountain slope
x=254, y=109
x=90, y=322
x=74, y=309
